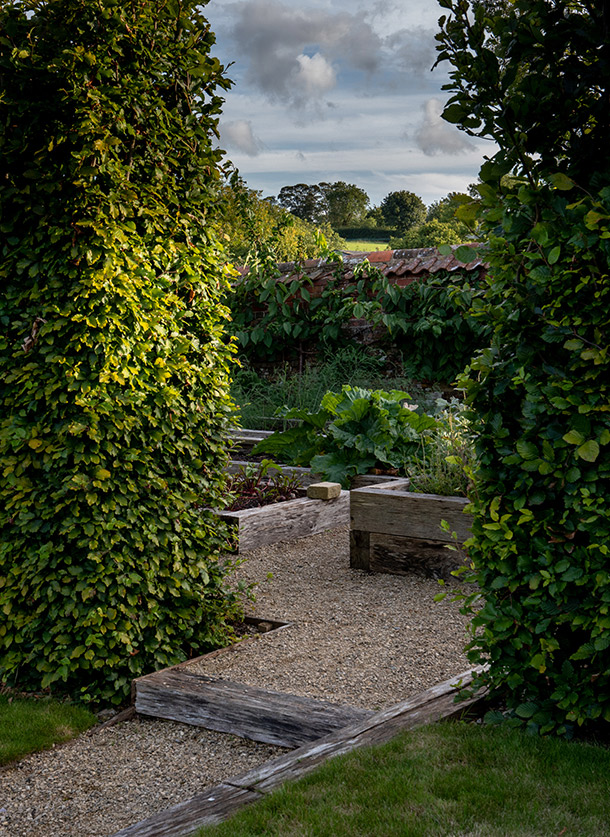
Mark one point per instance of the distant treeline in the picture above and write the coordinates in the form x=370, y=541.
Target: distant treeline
x=368, y=233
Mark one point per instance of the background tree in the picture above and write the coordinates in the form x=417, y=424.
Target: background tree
x=374, y=217
x=254, y=225
x=113, y=360
x=305, y=201
x=403, y=210
x=440, y=227
x=535, y=77
x=444, y=209
x=347, y=203
x=432, y=233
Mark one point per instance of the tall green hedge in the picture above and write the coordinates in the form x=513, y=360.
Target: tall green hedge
x=535, y=77
x=113, y=360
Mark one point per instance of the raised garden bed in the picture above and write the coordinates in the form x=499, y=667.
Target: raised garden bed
x=394, y=530
x=287, y=521
x=244, y=440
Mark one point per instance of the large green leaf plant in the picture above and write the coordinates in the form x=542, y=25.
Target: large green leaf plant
x=353, y=431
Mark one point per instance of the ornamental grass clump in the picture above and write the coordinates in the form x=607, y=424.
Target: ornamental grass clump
x=113, y=361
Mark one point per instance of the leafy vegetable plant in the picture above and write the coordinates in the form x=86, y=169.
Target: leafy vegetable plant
x=353, y=431
x=260, y=485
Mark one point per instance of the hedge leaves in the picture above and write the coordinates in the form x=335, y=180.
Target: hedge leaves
x=113, y=361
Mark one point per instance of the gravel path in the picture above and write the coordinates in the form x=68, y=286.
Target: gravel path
x=105, y=781
x=359, y=639
x=367, y=640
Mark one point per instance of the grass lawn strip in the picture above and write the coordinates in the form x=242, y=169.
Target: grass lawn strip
x=441, y=780
x=29, y=725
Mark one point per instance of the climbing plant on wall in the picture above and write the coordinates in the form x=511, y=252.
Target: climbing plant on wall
x=428, y=321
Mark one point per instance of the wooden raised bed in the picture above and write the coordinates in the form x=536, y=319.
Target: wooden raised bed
x=290, y=519
x=307, y=477
x=394, y=530
x=246, y=439
x=286, y=521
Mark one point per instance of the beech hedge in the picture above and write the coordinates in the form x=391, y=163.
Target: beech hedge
x=534, y=76
x=113, y=359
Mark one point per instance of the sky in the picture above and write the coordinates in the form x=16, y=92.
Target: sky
x=329, y=90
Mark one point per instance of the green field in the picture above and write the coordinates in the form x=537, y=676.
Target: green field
x=366, y=246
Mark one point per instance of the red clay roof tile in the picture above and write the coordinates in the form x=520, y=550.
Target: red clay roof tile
x=398, y=263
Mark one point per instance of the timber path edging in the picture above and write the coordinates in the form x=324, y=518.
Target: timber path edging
x=217, y=803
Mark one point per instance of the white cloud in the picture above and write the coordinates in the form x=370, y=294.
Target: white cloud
x=435, y=136
x=315, y=75
x=238, y=134
x=413, y=49
x=278, y=43
x=382, y=130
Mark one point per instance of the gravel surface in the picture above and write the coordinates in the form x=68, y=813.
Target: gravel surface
x=359, y=639
x=105, y=781
x=367, y=640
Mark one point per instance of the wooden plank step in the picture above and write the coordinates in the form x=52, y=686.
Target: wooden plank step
x=208, y=808
x=219, y=802
x=270, y=717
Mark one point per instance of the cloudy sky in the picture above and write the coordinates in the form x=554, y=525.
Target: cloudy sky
x=328, y=90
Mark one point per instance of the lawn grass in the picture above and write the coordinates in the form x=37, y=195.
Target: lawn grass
x=28, y=725
x=443, y=780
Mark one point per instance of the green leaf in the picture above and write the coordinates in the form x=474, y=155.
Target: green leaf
x=526, y=710
x=453, y=113
x=573, y=437
x=527, y=450
x=465, y=254
x=562, y=181
x=589, y=451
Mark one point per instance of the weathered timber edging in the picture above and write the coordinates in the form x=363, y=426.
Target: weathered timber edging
x=217, y=803
x=287, y=521
x=394, y=530
x=244, y=435
x=269, y=717
x=307, y=476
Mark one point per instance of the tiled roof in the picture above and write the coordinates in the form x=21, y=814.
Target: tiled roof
x=403, y=265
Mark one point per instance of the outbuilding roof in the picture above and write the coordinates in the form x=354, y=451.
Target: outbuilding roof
x=402, y=265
